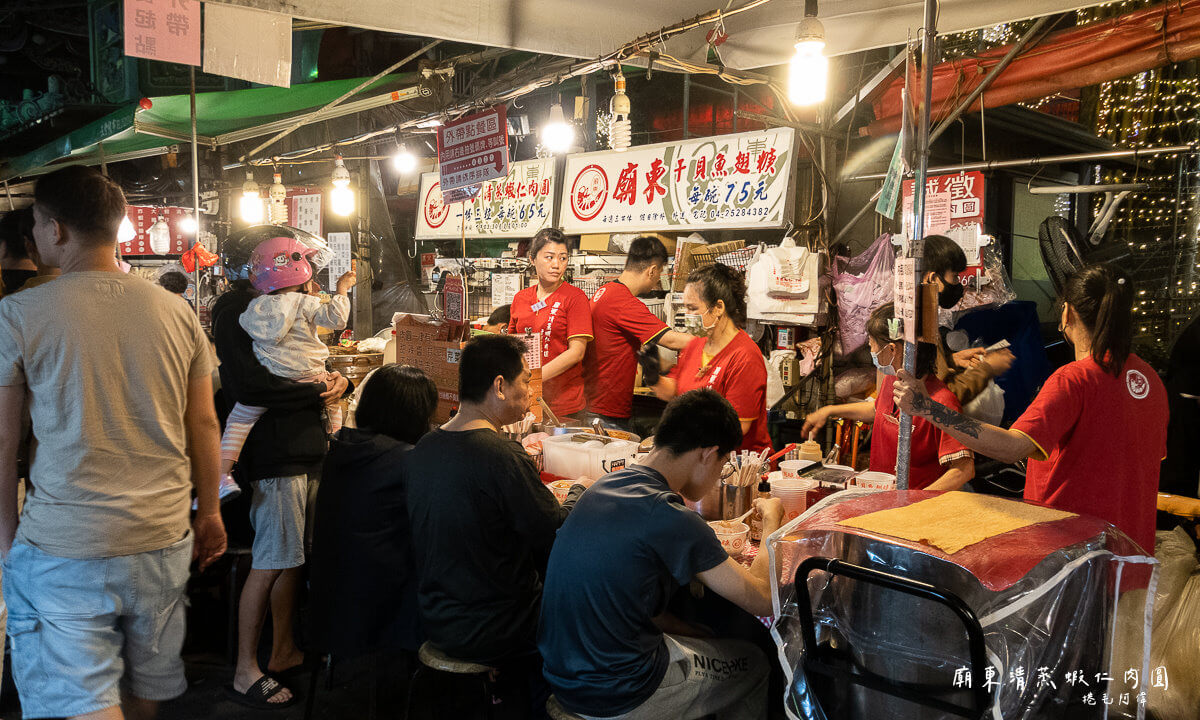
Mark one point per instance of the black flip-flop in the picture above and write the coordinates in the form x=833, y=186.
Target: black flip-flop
x=258, y=695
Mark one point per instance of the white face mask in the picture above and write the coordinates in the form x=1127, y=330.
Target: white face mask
x=885, y=369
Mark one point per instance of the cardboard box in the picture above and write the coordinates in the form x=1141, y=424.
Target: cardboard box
x=594, y=242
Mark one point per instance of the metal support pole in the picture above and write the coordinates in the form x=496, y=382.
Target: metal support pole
x=687, y=91
x=195, y=184
x=994, y=73
x=904, y=448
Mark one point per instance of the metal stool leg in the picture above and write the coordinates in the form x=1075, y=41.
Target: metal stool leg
x=412, y=685
x=311, y=701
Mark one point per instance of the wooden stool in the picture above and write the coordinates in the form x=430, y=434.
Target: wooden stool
x=434, y=659
x=558, y=712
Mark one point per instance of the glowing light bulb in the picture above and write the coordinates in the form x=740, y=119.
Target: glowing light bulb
x=125, y=232
x=620, y=130
x=341, y=198
x=404, y=161
x=278, y=205
x=251, y=205
x=808, y=73
x=557, y=134
x=188, y=225
x=160, y=237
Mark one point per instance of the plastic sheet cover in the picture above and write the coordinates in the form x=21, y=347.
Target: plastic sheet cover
x=1064, y=607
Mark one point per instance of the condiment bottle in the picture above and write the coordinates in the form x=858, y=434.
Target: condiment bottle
x=764, y=491
x=811, y=450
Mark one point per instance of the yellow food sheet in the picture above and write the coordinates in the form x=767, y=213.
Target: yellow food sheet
x=955, y=520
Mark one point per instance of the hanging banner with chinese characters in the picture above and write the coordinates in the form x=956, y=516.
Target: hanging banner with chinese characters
x=728, y=181
x=143, y=217
x=951, y=201
x=166, y=30
x=474, y=149
x=515, y=206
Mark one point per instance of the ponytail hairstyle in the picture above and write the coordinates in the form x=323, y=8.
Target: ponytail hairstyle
x=721, y=282
x=1102, y=298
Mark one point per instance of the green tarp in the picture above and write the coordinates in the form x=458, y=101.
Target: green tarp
x=216, y=113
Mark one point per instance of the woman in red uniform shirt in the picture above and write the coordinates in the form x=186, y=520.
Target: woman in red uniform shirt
x=725, y=358
x=561, y=314
x=1097, y=431
x=937, y=461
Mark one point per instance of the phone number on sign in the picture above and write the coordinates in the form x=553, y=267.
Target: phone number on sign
x=714, y=214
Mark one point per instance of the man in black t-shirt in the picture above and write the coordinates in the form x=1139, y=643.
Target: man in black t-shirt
x=482, y=521
x=610, y=650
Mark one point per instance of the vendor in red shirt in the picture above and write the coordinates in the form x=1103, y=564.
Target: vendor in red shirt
x=724, y=358
x=623, y=325
x=1097, y=431
x=561, y=314
x=937, y=461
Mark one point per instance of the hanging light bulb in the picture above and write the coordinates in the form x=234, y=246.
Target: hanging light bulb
x=160, y=236
x=557, y=134
x=251, y=205
x=620, y=130
x=278, y=204
x=342, y=197
x=125, y=232
x=808, y=73
x=188, y=225
x=404, y=161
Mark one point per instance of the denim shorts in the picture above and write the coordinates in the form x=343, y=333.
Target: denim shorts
x=81, y=628
x=278, y=515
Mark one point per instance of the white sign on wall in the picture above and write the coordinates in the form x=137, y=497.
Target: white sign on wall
x=339, y=243
x=515, y=206
x=727, y=181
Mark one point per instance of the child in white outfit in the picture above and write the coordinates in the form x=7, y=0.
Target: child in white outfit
x=283, y=325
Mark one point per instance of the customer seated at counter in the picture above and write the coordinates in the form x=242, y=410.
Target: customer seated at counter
x=610, y=649
x=938, y=461
x=482, y=522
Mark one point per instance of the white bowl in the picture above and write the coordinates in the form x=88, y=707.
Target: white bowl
x=732, y=535
x=793, y=468
x=875, y=481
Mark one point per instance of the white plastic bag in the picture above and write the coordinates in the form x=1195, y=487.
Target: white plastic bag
x=988, y=405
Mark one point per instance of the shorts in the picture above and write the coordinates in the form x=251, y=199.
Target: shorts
x=277, y=514
x=80, y=629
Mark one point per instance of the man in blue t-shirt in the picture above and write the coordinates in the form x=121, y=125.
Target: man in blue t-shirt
x=627, y=546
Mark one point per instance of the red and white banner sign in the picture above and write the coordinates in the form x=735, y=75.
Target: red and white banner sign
x=727, y=181
x=142, y=217
x=952, y=202
x=517, y=205
x=166, y=30
x=473, y=150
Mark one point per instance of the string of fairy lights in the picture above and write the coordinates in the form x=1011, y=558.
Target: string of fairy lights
x=1159, y=225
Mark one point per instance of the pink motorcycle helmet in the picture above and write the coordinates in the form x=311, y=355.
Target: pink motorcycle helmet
x=280, y=262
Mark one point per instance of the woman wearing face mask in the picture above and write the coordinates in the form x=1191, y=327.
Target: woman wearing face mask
x=724, y=358
x=562, y=315
x=1097, y=431
x=966, y=372
x=938, y=461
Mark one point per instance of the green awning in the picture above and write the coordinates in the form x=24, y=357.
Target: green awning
x=221, y=118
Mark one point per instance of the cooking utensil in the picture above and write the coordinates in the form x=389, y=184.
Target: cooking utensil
x=598, y=428
x=549, y=413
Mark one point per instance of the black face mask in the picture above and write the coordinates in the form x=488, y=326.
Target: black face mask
x=950, y=295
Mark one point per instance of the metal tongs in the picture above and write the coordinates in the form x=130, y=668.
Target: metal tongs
x=552, y=418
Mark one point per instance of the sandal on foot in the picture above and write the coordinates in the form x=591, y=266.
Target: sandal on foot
x=258, y=695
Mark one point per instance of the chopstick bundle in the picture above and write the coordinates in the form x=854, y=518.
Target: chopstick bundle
x=747, y=468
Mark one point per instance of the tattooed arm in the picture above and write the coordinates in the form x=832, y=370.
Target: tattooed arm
x=1004, y=445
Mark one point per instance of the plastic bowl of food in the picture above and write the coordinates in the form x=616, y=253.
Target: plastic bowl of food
x=875, y=481
x=792, y=468
x=732, y=535
x=561, y=488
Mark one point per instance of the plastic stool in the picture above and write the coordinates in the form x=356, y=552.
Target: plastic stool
x=434, y=659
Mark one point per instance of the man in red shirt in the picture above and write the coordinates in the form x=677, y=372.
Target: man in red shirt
x=622, y=325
